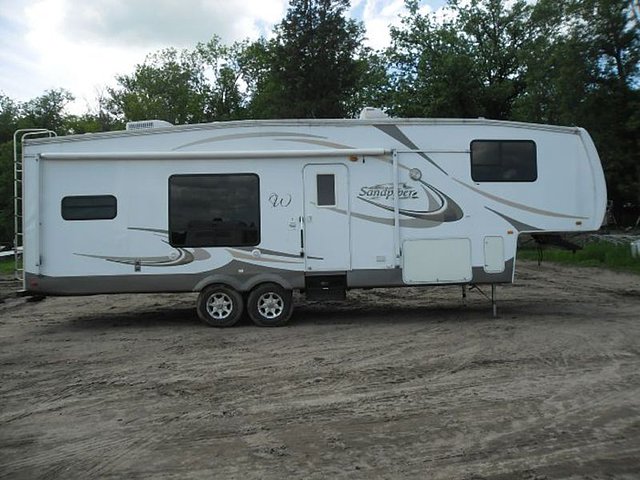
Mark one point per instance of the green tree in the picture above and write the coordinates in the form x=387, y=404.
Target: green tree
x=46, y=111
x=610, y=32
x=6, y=193
x=372, y=86
x=188, y=86
x=433, y=74
x=311, y=68
x=169, y=85
x=467, y=66
x=223, y=69
x=585, y=71
x=9, y=117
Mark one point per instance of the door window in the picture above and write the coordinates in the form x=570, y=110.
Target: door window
x=326, y=186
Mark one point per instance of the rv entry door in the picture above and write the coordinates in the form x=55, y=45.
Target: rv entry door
x=327, y=244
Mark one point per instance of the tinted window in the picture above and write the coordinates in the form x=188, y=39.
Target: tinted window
x=89, y=207
x=326, y=190
x=503, y=161
x=214, y=210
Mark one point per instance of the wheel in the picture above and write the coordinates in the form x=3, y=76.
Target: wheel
x=219, y=306
x=270, y=305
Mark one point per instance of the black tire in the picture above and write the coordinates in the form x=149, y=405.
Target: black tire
x=220, y=306
x=270, y=305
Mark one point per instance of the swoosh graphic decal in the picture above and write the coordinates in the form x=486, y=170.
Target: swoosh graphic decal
x=154, y=230
x=315, y=142
x=269, y=252
x=394, y=132
x=453, y=211
x=521, y=227
x=198, y=253
x=409, y=223
x=519, y=206
x=183, y=258
x=248, y=256
x=240, y=136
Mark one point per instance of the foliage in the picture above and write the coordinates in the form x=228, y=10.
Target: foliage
x=188, y=86
x=9, y=115
x=7, y=266
x=223, y=68
x=6, y=193
x=596, y=254
x=46, y=111
x=169, y=85
x=466, y=66
x=312, y=67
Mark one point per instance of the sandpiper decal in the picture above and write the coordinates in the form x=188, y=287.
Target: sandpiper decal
x=419, y=200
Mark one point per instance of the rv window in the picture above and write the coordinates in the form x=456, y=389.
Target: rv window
x=214, y=210
x=326, y=186
x=89, y=207
x=503, y=161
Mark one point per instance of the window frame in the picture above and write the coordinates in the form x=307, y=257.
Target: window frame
x=501, y=164
x=66, y=217
x=217, y=175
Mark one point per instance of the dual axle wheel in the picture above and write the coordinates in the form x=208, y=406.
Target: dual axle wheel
x=268, y=305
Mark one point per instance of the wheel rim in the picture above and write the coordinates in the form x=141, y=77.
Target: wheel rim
x=270, y=305
x=219, y=306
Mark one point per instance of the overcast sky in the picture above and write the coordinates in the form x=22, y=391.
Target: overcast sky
x=81, y=45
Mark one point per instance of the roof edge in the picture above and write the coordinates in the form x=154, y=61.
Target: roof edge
x=301, y=123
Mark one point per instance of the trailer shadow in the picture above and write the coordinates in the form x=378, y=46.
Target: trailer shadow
x=308, y=313
x=305, y=315
x=330, y=313
x=156, y=318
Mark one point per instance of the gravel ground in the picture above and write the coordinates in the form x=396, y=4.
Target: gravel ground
x=396, y=383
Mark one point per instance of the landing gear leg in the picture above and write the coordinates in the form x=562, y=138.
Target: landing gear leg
x=494, y=304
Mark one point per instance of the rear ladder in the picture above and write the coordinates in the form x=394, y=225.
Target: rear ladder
x=18, y=207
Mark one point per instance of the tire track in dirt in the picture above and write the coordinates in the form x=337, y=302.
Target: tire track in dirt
x=397, y=383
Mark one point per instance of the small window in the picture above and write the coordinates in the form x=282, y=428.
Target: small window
x=503, y=161
x=220, y=210
x=326, y=185
x=89, y=207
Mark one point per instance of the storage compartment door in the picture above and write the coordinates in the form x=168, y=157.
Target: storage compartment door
x=493, y=254
x=442, y=260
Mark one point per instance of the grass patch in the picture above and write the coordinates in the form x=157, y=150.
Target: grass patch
x=7, y=266
x=596, y=254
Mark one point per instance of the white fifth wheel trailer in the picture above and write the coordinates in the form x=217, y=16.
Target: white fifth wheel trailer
x=246, y=212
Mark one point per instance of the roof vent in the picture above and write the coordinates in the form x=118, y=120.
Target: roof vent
x=371, y=113
x=146, y=124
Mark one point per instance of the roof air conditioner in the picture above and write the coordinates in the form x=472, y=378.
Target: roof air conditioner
x=145, y=124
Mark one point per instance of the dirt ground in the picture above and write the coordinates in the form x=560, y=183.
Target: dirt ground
x=401, y=383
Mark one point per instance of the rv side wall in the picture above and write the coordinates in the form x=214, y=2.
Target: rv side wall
x=106, y=225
